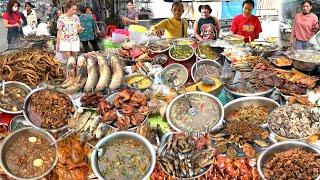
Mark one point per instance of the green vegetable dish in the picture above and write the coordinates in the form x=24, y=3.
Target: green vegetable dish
x=181, y=52
x=124, y=158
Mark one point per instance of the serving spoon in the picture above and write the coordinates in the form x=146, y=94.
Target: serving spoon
x=3, y=86
x=191, y=110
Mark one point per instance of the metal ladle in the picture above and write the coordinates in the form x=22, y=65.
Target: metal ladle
x=101, y=150
x=191, y=110
x=3, y=86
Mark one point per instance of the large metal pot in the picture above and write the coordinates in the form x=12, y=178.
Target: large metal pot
x=122, y=134
x=237, y=95
x=279, y=147
x=26, y=114
x=216, y=126
x=248, y=101
x=304, y=65
x=300, y=63
x=17, y=84
x=12, y=139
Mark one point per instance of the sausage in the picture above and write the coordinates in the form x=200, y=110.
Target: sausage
x=92, y=80
x=105, y=74
x=117, y=73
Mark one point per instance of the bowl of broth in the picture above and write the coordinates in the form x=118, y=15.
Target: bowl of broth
x=28, y=153
x=123, y=155
x=207, y=115
x=11, y=101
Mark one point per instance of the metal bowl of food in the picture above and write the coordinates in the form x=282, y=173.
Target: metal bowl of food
x=205, y=51
x=294, y=121
x=174, y=75
x=48, y=110
x=17, y=123
x=235, y=94
x=181, y=52
x=160, y=59
x=133, y=150
x=159, y=46
x=264, y=49
x=206, y=112
x=304, y=65
x=11, y=101
x=255, y=109
x=205, y=68
x=138, y=81
x=29, y=154
x=269, y=154
x=234, y=39
x=305, y=60
x=200, y=161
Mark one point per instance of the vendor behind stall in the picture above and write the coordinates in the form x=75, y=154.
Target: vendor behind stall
x=246, y=24
x=129, y=16
x=304, y=26
x=207, y=27
x=174, y=27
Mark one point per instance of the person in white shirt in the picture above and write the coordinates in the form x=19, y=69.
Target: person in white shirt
x=30, y=14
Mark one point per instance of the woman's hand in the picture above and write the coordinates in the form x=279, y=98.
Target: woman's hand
x=80, y=29
x=292, y=41
x=124, y=20
x=57, y=45
x=17, y=25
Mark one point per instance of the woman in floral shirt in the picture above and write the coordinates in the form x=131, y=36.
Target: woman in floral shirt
x=69, y=26
x=89, y=33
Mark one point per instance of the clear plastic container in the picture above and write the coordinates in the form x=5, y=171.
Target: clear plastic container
x=118, y=38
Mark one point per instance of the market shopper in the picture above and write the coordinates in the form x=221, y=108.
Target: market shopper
x=207, y=27
x=129, y=16
x=12, y=21
x=53, y=22
x=175, y=27
x=89, y=10
x=246, y=24
x=89, y=32
x=30, y=15
x=304, y=26
x=69, y=26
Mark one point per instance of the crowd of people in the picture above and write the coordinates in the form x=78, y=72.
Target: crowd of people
x=71, y=28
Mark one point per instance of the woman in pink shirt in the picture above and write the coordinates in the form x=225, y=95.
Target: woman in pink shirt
x=303, y=27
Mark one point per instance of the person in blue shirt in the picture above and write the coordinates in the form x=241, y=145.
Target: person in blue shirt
x=89, y=32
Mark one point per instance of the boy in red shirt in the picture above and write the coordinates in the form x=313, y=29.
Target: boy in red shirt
x=246, y=24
